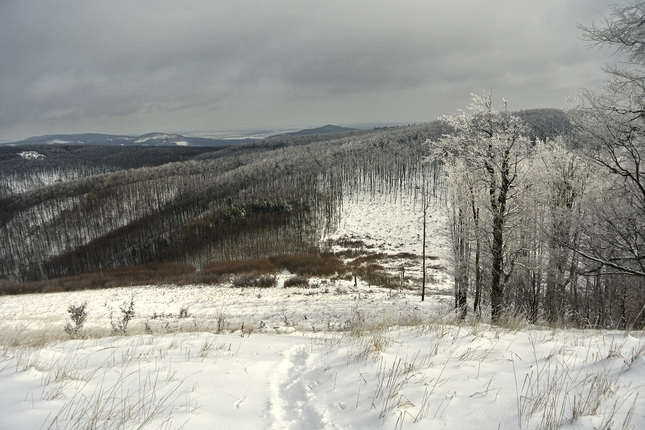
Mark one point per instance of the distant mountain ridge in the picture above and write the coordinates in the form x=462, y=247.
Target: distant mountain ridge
x=149, y=139
x=325, y=129
x=159, y=139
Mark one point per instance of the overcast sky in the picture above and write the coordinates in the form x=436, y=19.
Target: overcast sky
x=133, y=67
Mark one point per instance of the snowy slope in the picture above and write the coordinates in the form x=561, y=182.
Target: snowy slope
x=393, y=225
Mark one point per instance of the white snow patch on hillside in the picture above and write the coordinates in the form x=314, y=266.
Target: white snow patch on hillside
x=393, y=224
x=31, y=155
x=154, y=136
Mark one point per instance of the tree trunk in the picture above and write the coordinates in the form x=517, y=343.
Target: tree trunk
x=497, y=251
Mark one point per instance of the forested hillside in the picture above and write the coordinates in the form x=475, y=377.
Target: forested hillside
x=277, y=195
x=29, y=166
x=67, y=210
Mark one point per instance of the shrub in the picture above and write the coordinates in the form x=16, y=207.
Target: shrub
x=78, y=315
x=375, y=275
x=244, y=280
x=296, y=281
x=127, y=313
x=183, y=312
x=266, y=281
x=325, y=264
x=253, y=280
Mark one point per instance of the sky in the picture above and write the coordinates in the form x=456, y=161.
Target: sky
x=133, y=67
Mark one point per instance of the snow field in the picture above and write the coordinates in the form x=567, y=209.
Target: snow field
x=325, y=305
x=393, y=225
x=370, y=376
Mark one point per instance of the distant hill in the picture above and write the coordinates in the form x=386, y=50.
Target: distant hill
x=546, y=123
x=150, y=139
x=160, y=139
x=325, y=129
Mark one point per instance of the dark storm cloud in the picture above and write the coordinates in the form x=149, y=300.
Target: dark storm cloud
x=123, y=66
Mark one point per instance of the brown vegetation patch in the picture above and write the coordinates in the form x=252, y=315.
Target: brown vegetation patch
x=296, y=281
x=257, y=265
x=254, y=280
x=325, y=264
x=368, y=259
x=149, y=274
x=261, y=269
x=348, y=242
x=351, y=253
x=374, y=275
x=407, y=256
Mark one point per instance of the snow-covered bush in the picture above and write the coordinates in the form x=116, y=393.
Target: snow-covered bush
x=78, y=315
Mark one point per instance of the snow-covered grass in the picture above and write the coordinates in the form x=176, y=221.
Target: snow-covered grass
x=223, y=357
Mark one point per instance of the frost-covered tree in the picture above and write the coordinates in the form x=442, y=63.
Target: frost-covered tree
x=611, y=126
x=559, y=183
x=490, y=144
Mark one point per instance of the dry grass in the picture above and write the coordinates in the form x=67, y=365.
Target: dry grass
x=90, y=398
x=257, y=265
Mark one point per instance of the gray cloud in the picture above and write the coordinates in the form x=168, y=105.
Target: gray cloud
x=130, y=67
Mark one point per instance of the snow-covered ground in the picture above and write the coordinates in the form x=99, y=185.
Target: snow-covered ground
x=393, y=225
x=378, y=360
x=329, y=356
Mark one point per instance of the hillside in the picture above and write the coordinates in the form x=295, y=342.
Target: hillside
x=325, y=129
x=241, y=202
x=160, y=139
x=68, y=209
